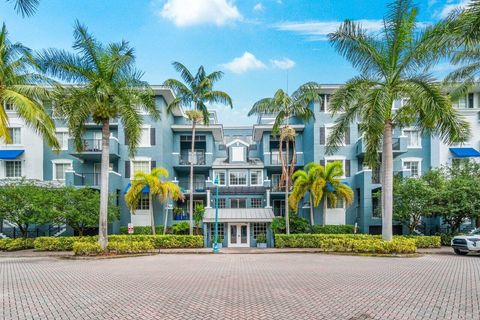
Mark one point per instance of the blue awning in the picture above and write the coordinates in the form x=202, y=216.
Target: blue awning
x=464, y=152
x=145, y=189
x=10, y=154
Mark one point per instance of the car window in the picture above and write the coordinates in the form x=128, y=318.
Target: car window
x=475, y=232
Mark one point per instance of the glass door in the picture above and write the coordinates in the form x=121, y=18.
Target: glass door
x=239, y=235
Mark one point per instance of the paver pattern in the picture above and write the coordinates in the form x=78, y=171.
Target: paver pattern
x=264, y=286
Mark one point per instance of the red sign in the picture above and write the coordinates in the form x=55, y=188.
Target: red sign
x=130, y=228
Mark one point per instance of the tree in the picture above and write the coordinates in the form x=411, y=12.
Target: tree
x=195, y=92
x=285, y=106
x=163, y=190
x=25, y=7
x=20, y=88
x=105, y=86
x=393, y=66
x=310, y=180
x=198, y=215
x=413, y=199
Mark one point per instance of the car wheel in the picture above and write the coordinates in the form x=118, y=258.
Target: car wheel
x=462, y=253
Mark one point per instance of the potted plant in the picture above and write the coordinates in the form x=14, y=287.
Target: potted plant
x=262, y=241
x=177, y=213
x=220, y=242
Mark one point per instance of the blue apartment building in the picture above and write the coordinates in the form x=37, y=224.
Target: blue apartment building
x=244, y=160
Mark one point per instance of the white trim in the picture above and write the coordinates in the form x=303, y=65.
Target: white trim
x=238, y=185
x=260, y=180
x=149, y=128
x=60, y=161
x=176, y=153
x=239, y=141
x=215, y=172
x=413, y=159
x=239, y=228
x=408, y=142
x=139, y=159
x=63, y=131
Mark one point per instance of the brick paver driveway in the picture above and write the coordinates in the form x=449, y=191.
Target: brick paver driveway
x=262, y=286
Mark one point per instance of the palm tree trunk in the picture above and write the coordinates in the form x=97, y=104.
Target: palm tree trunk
x=165, y=220
x=190, y=209
x=152, y=218
x=325, y=207
x=312, y=220
x=287, y=219
x=103, y=222
x=387, y=182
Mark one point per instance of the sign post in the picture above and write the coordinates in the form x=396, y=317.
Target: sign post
x=130, y=228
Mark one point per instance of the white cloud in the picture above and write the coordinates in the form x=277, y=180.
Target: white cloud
x=193, y=12
x=318, y=30
x=258, y=7
x=247, y=62
x=452, y=6
x=284, y=63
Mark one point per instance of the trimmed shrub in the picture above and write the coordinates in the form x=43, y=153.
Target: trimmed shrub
x=142, y=230
x=181, y=228
x=177, y=241
x=122, y=247
x=16, y=244
x=346, y=243
x=333, y=229
x=60, y=243
x=87, y=248
x=426, y=241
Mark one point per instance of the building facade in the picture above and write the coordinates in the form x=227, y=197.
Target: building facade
x=243, y=161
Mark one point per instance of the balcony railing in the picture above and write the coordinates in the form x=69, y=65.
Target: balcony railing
x=198, y=186
x=87, y=179
x=197, y=157
x=94, y=147
x=275, y=158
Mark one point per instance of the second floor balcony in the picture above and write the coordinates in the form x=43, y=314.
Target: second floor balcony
x=274, y=159
x=198, y=158
x=92, y=149
x=92, y=180
x=399, y=146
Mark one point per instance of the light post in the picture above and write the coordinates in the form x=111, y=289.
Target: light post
x=216, y=248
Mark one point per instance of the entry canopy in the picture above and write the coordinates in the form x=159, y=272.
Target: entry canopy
x=464, y=152
x=145, y=189
x=239, y=215
x=10, y=154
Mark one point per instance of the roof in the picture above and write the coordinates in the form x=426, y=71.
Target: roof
x=464, y=152
x=239, y=215
x=251, y=162
x=10, y=154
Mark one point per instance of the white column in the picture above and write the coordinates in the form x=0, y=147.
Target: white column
x=268, y=199
x=208, y=199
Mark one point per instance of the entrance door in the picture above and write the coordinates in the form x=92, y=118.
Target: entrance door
x=238, y=235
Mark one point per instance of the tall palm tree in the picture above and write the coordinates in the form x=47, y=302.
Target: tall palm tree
x=392, y=65
x=105, y=85
x=286, y=106
x=163, y=190
x=309, y=180
x=25, y=7
x=194, y=93
x=21, y=88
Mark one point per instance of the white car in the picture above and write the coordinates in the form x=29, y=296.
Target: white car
x=463, y=245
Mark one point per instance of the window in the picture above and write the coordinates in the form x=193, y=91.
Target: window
x=414, y=138
x=238, y=178
x=259, y=228
x=276, y=183
x=59, y=169
x=144, y=202
x=413, y=166
x=145, y=137
x=256, y=203
x=222, y=203
x=470, y=100
x=8, y=106
x=220, y=230
x=338, y=205
x=141, y=166
x=238, y=203
x=62, y=138
x=256, y=177
x=15, y=135
x=13, y=169
x=279, y=207
x=238, y=154
x=221, y=175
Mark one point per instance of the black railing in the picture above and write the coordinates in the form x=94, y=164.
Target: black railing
x=198, y=157
x=87, y=179
x=275, y=158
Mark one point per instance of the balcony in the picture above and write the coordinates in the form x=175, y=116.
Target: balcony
x=399, y=146
x=199, y=186
x=92, y=149
x=275, y=160
x=92, y=180
x=199, y=158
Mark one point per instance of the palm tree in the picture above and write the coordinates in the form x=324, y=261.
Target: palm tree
x=285, y=106
x=20, y=88
x=195, y=92
x=392, y=65
x=164, y=190
x=105, y=85
x=25, y=7
x=310, y=180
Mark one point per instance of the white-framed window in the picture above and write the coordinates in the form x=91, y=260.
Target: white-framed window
x=256, y=203
x=8, y=106
x=140, y=166
x=259, y=228
x=238, y=203
x=341, y=160
x=59, y=168
x=338, y=205
x=222, y=177
x=328, y=132
x=256, y=177
x=238, y=178
x=414, y=165
x=143, y=202
x=414, y=137
x=222, y=203
x=13, y=169
x=144, y=137
x=62, y=137
x=238, y=154
x=15, y=135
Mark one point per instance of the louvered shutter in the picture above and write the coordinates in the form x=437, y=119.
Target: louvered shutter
x=322, y=136
x=127, y=169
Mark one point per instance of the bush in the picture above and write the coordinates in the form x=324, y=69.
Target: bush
x=297, y=224
x=262, y=238
x=426, y=241
x=142, y=230
x=446, y=238
x=346, y=243
x=333, y=229
x=16, y=244
x=177, y=241
x=87, y=249
x=181, y=228
x=60, y=243
x=121, y=247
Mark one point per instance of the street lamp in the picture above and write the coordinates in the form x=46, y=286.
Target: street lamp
x=216, y=247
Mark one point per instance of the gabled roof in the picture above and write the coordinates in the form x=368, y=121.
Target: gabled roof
x=239, y=141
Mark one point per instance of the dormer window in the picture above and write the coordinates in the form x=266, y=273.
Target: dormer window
x=237, y=151
x=238, y=154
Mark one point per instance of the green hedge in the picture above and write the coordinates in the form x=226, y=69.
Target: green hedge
x=346, y=243
x=178, y=241
x=121, y=247
x=60, y=243
x=333, y=229
x=142, y=230
x=425, y=241
x=87, y=249
x=16, y=244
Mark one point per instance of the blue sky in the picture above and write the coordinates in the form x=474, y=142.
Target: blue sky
x=255, y=42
